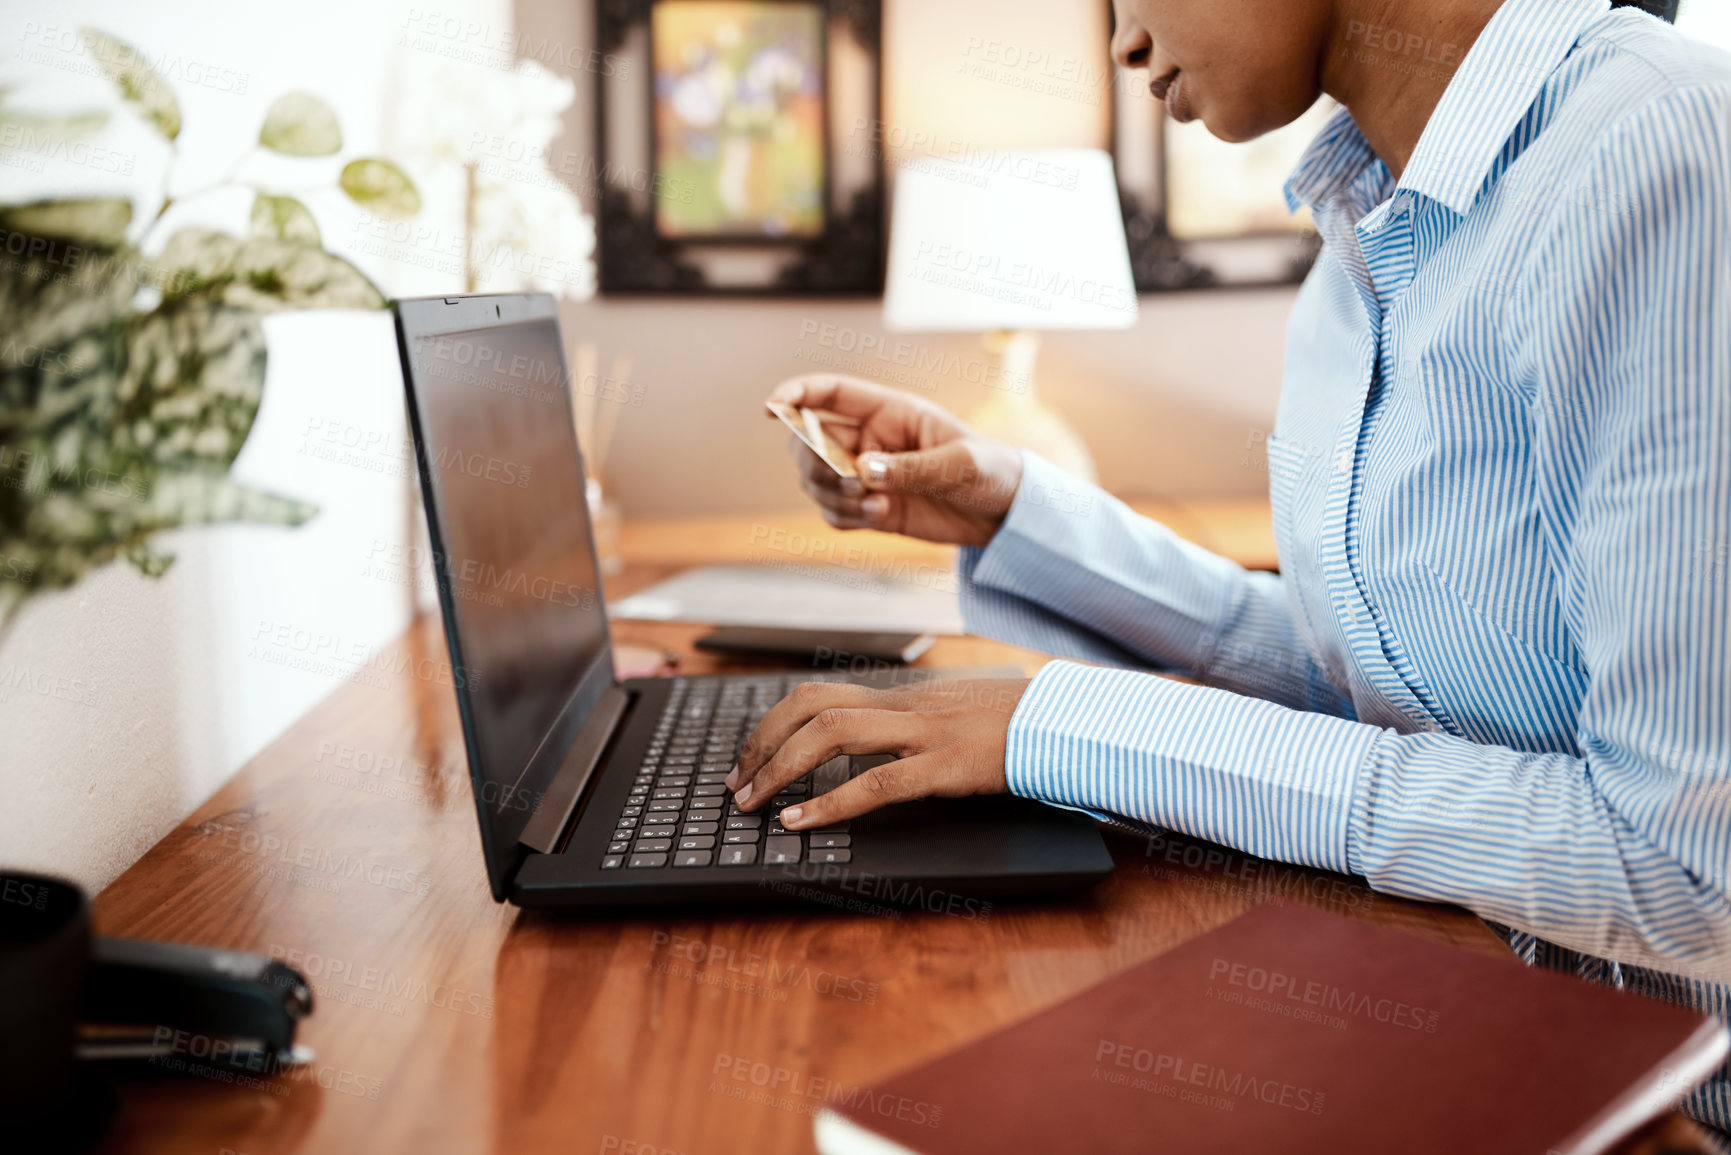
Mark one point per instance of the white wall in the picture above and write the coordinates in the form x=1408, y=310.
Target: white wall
x=125, y=701
x=1174, y=407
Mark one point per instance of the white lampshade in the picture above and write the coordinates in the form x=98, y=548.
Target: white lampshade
x=1010, y=240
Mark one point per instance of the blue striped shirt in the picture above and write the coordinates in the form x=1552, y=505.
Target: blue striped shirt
x=1495, y=668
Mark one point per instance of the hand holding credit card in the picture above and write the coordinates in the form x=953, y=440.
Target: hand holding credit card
x=875, y=457
x=808, y=426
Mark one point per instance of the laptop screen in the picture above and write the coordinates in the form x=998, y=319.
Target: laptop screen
x=511, y=543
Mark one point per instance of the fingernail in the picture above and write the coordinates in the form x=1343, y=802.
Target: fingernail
x=876, y=505
x=876, y=467
x=744, y=794
x=790, y=815
x=788, y=392
x=732, y=779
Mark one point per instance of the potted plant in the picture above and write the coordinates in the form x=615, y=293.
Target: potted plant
x=130, y=375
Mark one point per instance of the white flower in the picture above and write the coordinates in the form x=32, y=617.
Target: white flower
x=534, y=235
x=530, y=229
x=465, y=110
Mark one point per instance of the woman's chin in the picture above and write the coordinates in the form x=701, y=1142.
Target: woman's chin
x=1233, y=129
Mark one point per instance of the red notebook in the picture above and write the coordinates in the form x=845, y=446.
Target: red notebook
x=1293, y=1030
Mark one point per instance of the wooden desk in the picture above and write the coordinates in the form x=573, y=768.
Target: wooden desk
x=447, y=1023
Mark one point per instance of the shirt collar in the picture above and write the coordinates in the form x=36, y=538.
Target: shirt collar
x=1332, y=162
x=1494, y=87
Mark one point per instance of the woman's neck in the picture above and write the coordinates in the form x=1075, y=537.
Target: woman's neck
x=1389, y=61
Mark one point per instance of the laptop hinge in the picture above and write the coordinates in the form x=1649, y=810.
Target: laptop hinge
x=548, y=822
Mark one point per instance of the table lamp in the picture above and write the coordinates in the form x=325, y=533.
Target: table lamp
x=1012, y=244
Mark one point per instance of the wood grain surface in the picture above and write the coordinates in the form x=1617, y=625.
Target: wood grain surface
x=447, y=1023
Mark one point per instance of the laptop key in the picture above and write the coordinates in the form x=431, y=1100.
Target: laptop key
x=709, y=790
x=781, y=848
x=834, y=827
x=693, y=858
x=822, y=841
x=741, y=836
x=612, y=862
x=618, y=847
x=641, y=861
x=698, y=842
x=653, y=845
x=744, y=821
x=667, y=804
x=698, y=828
x=840, y=855
x=738, y=855
x=666, y=793
x=696, y=815
x=661, y=820
x=711, y=778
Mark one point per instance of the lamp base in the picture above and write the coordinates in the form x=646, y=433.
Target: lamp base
x=1016, y=415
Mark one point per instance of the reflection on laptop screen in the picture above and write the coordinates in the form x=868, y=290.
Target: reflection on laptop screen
x=512, y=529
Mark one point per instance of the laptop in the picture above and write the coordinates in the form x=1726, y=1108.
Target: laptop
x=596, y=793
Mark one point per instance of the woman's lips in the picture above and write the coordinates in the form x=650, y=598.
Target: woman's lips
x=1170, y=88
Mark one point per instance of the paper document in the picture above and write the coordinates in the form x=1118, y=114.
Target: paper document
x=810, y=596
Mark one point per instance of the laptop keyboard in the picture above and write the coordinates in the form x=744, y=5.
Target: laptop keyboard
x=679, y=814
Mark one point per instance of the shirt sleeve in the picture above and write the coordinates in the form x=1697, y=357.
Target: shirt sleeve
x=1620, y=848
x=1075, y=572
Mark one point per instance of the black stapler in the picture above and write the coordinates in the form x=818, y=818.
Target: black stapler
x=191, y=1005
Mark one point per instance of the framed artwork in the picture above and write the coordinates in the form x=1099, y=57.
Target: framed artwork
x=1201, y=213
x=716, y=128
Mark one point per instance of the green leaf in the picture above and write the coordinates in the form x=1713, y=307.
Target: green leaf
x=62, y=302
x=101, y=221
x=150, y=562
x=273, y=275
x=300, y=124
x=283, y=219
x=22, y=125
x=381, y=187
x=140, y=85
x=131, y=438
x=197, y=260
x=262, y=274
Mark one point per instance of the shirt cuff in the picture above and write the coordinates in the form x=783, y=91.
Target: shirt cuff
x=1272, y=781
x=1049, y=507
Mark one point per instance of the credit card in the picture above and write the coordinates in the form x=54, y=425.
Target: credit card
x=807, y=425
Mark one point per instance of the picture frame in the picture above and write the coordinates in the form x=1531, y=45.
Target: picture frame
x=678, y=218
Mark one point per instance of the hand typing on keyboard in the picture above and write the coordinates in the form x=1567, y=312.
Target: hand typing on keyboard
x=948, y=740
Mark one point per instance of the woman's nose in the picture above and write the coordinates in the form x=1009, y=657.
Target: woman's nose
x=1131, y=44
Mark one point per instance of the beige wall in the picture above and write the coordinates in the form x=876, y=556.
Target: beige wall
x=1171, y=407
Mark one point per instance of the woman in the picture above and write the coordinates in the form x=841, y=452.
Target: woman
x=1495, y=669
